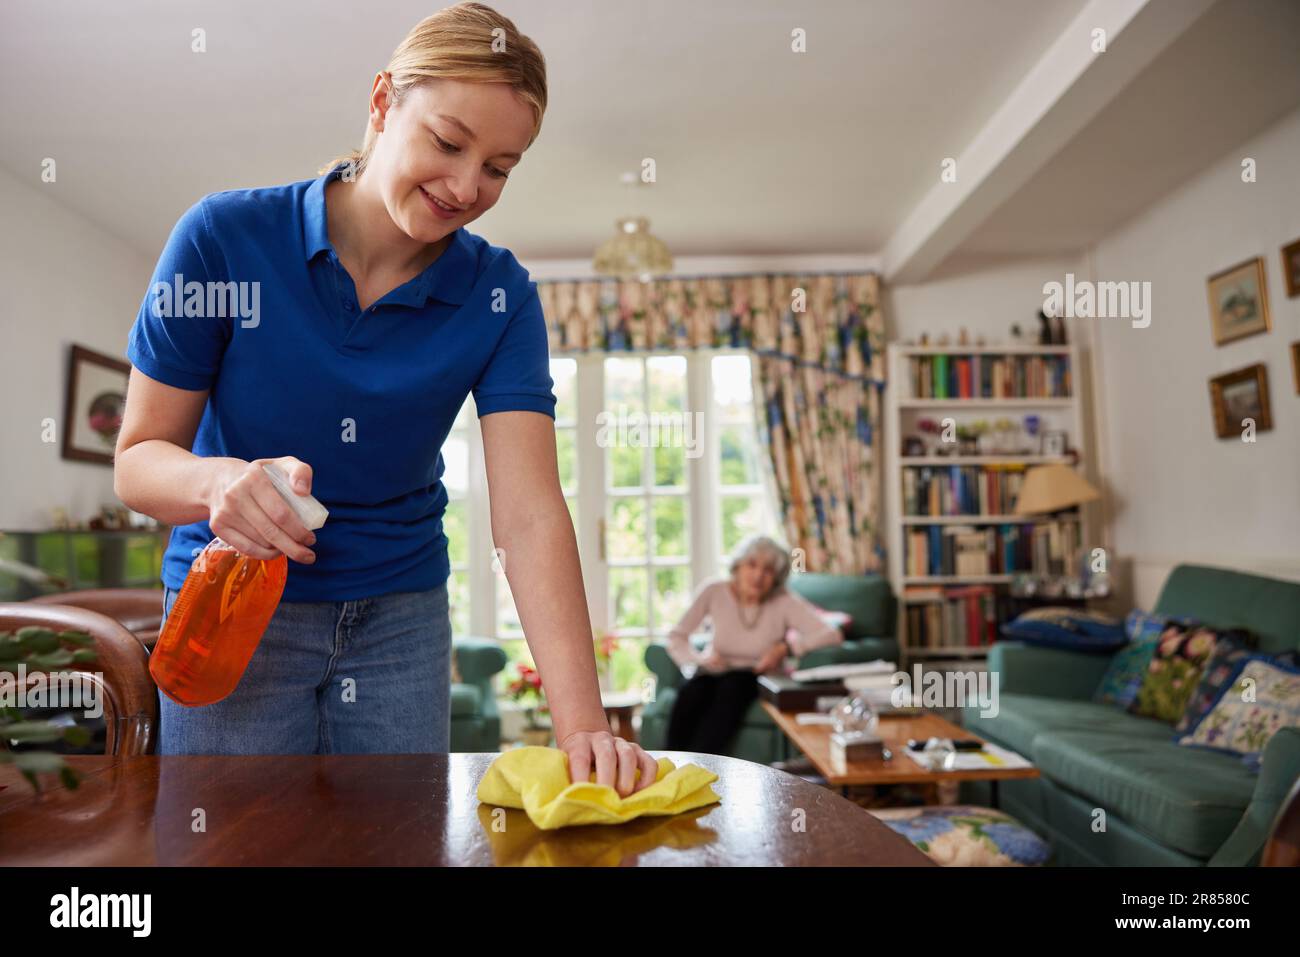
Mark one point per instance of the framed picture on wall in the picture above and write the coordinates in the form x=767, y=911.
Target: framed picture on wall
x=96, y=398
x=1238, y=301
x=1239, y=395
x=1291, y=268
x=1295, y=364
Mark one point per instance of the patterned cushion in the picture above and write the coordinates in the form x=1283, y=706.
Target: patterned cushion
x=961, y=835
x=1140, y=624
x=1174, y=672
x=1066, y=628
x=1229, y=651
x=1242, y=723
x=1119, y=685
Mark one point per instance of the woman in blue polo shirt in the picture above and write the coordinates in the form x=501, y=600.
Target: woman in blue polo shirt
x=336, y=326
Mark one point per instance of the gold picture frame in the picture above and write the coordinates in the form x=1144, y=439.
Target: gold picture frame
x=1238, y=301
x=1237, y=395
x=1291, y=268
x=1295, y=364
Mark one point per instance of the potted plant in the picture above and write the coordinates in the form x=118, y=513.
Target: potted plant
x=930, y=429
x=526, y=690
x=606, y=643
x=35, y=649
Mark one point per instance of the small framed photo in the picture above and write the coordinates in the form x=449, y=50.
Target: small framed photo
x=96, y=400
x=1240, y=395
x=1291, y=268
x=1055, y=444
x=1238, y=301
x=1295, y=364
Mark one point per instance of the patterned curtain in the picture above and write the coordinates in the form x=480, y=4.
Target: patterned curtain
x=818, y=366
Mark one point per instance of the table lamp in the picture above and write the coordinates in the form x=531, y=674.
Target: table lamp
x=1053, y=488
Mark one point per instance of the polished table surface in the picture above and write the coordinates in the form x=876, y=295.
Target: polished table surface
x=410, y=810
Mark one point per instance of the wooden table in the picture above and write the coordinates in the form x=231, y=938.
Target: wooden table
x=620, y=706
x=409, y=810
x=814, y=740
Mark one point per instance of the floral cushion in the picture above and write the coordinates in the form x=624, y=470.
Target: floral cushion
x=1262, y=698
x=1067, y=628
x=1146, y=624
x=1174, y=672
x=961, y=835
x=1231, y=648
x=1123, y=678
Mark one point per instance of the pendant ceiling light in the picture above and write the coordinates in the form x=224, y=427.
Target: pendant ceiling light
x=633, y=252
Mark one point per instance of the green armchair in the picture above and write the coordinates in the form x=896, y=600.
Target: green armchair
x=869, y=636
x=475, y=720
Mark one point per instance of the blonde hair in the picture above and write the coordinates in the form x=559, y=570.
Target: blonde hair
x=457, y=43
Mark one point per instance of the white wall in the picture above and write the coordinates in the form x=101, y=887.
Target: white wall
x=1180, y=493
x=65, y=281
x=984, y=296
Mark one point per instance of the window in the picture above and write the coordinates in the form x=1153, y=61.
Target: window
x=664, y=473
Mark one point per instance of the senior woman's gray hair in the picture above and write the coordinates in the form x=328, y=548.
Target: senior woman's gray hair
x=769, y=550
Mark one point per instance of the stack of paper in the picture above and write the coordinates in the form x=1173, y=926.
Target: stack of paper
x=990, y=756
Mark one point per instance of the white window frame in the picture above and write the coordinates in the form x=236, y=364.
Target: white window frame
x=704, y=511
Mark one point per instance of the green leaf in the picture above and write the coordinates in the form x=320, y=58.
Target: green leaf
x=38, y=762
x=77, y=735
x=55, y=659
x=32, y=731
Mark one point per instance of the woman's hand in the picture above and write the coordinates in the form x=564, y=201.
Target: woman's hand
x=617, y=761
x=772, y=657
x=246, y=512
x=714, y=662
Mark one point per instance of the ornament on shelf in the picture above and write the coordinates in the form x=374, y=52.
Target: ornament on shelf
x=1044, y=329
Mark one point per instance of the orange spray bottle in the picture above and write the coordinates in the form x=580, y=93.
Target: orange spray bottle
x=222, y=610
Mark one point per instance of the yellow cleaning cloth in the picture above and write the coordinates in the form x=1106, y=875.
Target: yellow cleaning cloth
x=537, y=780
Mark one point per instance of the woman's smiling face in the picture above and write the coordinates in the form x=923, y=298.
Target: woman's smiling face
x=448, y=140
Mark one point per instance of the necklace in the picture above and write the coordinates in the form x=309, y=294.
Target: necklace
x=740, y=609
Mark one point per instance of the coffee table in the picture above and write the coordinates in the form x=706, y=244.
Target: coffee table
x=814, y=740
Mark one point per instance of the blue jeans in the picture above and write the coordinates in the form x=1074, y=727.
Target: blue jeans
x=367, y=676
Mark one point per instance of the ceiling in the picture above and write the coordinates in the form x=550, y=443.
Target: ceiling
x=1234, y=72
x=759, y=151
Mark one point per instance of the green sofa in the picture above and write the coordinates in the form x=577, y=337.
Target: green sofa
x=1164, y=804
x=866, y=599
x=475, y=720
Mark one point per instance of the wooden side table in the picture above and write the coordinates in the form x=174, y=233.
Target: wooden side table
x=619, y=708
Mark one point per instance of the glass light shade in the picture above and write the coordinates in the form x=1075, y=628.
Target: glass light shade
x=633, y=252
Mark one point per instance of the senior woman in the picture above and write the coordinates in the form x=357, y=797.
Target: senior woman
x=752, y=614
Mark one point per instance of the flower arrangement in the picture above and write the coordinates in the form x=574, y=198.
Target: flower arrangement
x=605, y=643
x=526, y=689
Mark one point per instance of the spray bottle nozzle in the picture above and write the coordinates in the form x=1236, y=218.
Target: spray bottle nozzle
x=309, y=511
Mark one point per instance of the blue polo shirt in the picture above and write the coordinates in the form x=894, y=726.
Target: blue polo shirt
x=250, y=301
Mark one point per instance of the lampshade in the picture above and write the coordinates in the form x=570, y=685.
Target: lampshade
x=1051, y=488
x=633, y=252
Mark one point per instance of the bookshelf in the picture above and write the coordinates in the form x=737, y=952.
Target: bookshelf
x=954, y=541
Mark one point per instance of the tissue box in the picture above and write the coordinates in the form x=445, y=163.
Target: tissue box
x=853, y=747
